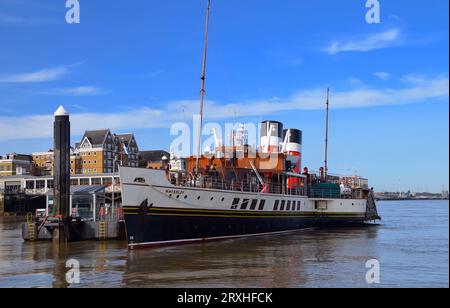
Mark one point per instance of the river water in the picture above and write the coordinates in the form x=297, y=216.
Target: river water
x=411, y=245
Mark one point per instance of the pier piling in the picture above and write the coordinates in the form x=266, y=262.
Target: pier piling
x=61, y=173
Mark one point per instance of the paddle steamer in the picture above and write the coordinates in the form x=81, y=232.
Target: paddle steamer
x=239, y=190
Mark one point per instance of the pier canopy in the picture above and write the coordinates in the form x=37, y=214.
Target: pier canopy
x=86, y=202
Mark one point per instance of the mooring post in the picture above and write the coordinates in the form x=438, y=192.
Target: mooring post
x=61, y=173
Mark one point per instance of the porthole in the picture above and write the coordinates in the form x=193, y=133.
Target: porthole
x=178, y=196
x=223, y=199
x=185, y=197
x=212, y=198
x=198, y=198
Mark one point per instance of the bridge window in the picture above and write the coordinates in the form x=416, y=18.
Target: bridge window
x=244, y=204
x=299, y=205
x=275, y=206
x=282, y=205
x=288, y=207
x=253, y=205
x=261, y=205
x=235, y=203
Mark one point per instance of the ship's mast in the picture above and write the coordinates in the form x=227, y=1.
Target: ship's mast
x=202, y=91
x=326, y=133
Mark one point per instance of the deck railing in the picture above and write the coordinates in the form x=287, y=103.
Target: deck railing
x=319, y=193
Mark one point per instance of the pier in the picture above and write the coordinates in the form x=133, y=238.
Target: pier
x=64, y=207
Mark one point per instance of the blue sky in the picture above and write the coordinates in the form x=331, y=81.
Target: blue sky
x=134, y=66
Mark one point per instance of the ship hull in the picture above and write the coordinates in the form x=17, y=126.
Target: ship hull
x=158, y=213
x=164, y=227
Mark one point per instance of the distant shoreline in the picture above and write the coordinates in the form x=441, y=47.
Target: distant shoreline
x=412, y=199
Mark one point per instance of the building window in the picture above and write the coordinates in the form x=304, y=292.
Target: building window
x=107, y=181
x=29, y=184
x=40, y=184
x=235, y=203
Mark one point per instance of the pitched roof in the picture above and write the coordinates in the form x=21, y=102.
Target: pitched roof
x=153, y=156
x=96, y=137
x=125, y=138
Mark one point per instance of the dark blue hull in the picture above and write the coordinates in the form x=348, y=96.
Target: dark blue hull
x=159, y=227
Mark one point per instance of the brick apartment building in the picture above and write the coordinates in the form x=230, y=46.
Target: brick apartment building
x=15, y=164
x=98, y=152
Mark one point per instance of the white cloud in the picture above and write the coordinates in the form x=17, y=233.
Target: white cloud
x=414, y=79
x=382, y=75
x=416, y=90
x=78, y=91
x=355, y=81
x=380, y=40
x=48, y=74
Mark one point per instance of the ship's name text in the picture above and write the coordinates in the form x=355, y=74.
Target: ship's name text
x=174, y=192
